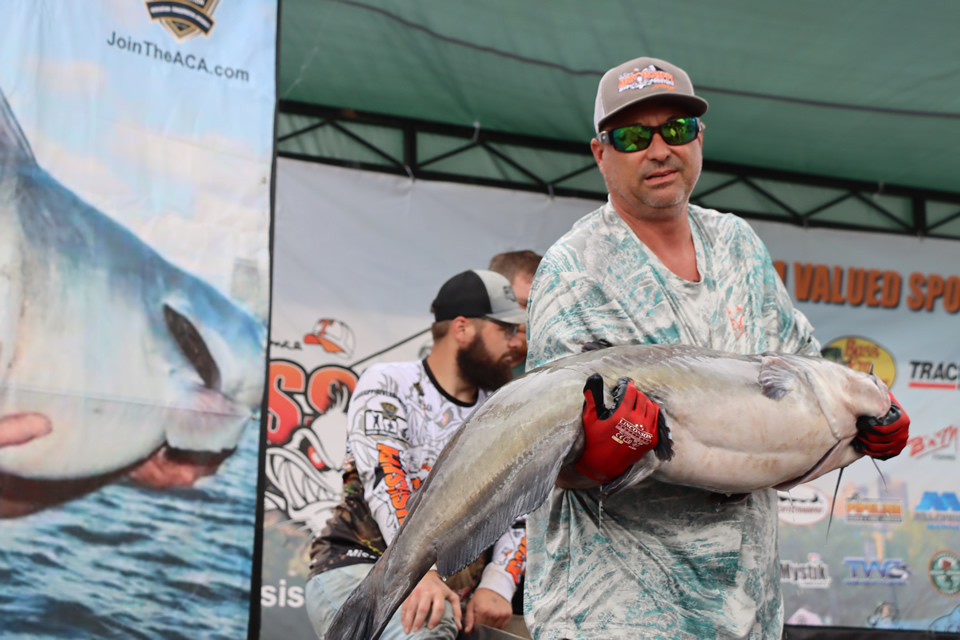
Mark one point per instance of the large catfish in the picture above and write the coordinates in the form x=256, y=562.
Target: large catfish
x=731, y=424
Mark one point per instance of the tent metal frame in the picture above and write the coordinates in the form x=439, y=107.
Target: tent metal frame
x=493, y=143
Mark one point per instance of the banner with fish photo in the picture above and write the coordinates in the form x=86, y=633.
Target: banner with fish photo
x=136, y=150
x=355, y=289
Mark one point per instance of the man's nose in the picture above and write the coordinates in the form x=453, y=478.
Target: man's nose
x=658, y=149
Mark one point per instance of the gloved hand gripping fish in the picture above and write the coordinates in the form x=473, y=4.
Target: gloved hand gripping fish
x=731, y=424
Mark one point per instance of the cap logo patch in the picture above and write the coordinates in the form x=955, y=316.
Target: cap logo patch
x=508, y=293
x=649, y=76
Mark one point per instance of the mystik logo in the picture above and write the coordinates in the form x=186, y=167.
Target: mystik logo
x=183, y=18
x=813, y=574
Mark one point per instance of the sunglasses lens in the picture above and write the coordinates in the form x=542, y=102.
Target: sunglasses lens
x=679, y=131
x=631, y=138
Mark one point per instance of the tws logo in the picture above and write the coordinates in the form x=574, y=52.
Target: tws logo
x=863, y=571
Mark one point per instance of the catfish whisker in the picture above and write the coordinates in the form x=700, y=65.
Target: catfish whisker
x=836, y=490
x=874, y=461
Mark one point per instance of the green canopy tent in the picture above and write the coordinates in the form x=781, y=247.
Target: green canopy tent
x=843, y=114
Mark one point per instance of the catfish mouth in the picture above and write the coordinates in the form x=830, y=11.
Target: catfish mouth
x=789, y=484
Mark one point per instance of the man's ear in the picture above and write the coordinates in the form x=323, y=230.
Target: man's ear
x=463, y=330
x=598, y=149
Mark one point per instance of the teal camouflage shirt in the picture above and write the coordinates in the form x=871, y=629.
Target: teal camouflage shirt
x=660, y=561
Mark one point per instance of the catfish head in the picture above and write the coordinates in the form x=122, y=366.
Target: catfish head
x=845, y=394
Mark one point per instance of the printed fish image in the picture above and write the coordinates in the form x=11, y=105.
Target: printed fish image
x=110, y=356
x=732, y=424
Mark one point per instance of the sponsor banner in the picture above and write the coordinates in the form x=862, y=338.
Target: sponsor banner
x=893, y=316
x=136, y=145
x=353, y=285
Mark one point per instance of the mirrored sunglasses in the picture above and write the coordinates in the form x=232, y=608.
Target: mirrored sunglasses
x=637, y=137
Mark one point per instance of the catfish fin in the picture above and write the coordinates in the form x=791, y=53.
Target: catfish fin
x=536, y=481
x=637, y=473
x=595, y=345
x=778, y=377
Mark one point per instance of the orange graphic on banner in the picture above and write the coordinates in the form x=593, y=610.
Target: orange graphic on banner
x=322, y=388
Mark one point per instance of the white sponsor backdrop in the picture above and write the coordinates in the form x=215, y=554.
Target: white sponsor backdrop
x=359, y=256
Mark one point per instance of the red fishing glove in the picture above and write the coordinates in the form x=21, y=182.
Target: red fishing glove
x=885, y=437
x=618, y=437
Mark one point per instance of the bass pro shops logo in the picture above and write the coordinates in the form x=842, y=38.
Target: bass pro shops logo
x=861, y=354
x=183, y=18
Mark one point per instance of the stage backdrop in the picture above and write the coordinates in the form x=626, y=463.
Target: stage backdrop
x=359, y=257
x=136, y=143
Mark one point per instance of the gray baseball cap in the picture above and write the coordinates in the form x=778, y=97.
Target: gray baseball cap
x=478, y=294
x=640, y=80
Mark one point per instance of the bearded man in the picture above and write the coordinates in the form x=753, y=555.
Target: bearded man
x=401, y=416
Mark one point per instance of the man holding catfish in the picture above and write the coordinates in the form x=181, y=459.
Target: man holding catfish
x=649, y=267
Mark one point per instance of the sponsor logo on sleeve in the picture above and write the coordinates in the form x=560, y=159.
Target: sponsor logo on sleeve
x=385, y=423
x=395, y=477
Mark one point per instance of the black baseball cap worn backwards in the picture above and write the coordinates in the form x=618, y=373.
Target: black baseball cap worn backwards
x=477, y=293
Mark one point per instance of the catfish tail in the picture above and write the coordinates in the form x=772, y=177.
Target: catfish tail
x=13, y=144
x=370, y=606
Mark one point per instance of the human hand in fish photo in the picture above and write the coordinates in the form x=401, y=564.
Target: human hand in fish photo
x=426, y=604
x=883, y=437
